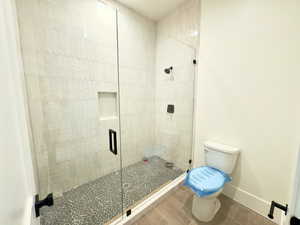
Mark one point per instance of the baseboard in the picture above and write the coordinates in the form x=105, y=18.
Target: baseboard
x=252, y=202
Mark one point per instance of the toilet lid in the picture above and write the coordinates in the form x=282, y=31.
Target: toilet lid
x=206, y=180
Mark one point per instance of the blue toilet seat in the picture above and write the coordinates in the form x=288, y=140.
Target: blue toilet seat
x=206, y=180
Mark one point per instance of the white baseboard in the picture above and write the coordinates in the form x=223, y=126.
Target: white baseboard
x=252, y=202
x=142, y=206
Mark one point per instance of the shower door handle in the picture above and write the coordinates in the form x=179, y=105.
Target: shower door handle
x=113, y=141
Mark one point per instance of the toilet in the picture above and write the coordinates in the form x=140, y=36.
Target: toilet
x=208, y=181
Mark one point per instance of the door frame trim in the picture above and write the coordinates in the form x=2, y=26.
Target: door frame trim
x=295, y=190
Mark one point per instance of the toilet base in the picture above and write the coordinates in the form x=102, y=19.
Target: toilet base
x=205, y=209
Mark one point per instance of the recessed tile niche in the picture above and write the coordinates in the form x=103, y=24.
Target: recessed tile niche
x=108, y=108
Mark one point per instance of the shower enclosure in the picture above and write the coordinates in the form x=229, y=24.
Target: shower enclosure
x=109, y=126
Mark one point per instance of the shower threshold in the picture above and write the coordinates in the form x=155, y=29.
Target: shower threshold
x=99, y=201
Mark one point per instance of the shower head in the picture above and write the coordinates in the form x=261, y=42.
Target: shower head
x=168, y=70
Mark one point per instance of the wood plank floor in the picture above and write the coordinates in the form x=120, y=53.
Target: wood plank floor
x=175, y=209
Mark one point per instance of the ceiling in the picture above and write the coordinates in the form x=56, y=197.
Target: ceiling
x=153, y=9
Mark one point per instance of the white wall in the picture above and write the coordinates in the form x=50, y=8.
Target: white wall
x=248, y=93
x=16, y=174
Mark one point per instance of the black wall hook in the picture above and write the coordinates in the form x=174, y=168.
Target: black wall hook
x=279, y=206
x=48, y=201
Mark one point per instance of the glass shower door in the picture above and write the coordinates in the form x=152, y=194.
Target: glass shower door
x=156, y=109
x=69, y=52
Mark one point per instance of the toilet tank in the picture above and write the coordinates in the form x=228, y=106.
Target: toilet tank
x=219, y=156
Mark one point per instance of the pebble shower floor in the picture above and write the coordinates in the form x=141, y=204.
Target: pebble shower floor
x=97, y=202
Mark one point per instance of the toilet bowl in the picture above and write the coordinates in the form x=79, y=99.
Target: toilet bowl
x=205, y=208
x=208, y=181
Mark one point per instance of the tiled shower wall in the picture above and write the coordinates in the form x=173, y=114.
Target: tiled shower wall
x=69, y=49
x=177, y=43
x=137, y=41
x=182, y=24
